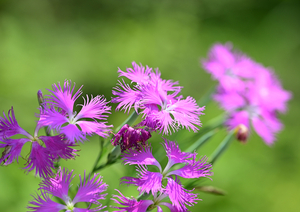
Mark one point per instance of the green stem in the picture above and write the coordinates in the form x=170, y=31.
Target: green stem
x=223, y=146
x=202, y=140
x=99, y=155
x=130, y=120
x=111, y=159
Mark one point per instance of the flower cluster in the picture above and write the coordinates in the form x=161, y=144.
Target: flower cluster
x=157, y=100
x=248, y=91
x=89, y=191
x=164, y=183
x=56, y=112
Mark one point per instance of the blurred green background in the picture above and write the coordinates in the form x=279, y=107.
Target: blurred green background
x=48, y=41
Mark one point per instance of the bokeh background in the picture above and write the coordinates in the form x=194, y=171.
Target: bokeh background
x=48, y=41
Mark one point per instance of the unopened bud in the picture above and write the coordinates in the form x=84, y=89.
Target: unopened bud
x=211, y=190
x=242, y=133
x=40, y=97
x=131, y=137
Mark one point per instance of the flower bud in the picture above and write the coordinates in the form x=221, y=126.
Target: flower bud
x=131, y=137
x=242, y=133
x=40, y=97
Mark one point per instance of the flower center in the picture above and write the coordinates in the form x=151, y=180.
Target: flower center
x=230, y=73
x=72, y=118
x=70, y=205
x=252, y=110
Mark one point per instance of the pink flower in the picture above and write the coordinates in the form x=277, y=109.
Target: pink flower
x=89, y=191
x=41, y=156
x=249, y=92
x=59, y=114
x=148, y=181
x=157, y=100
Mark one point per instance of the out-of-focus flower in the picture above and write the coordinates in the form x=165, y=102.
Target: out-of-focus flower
x=130, y=137
x=58, y=114
x=154, y=182
x=231, y=69
x=90, y=191
x=249, y=92
x=157, y=100
x=41, y=157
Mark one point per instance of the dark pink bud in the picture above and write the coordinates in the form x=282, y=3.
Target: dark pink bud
x=242, y=133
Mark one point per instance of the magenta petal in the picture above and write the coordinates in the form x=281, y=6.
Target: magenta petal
x=268, y=90
x=88, y=210
x=53, y=119
x=12, y=150
x=223, y=53
x=90, y=190
x=138, y=74
x=126, y=97
x=194, y=169
x=186, y=113
x=221, y=59
x=73, y=133
x=179, y=196
x=163, y=85
x=159, y=209
x=43, y=203
x=271, y=121
x=59, y=185
x=146, y=181
x=172, y=208
x=241, y=117
x=130, y=205
x=40, y=160
x=231, y=83
x=59, y=147
x=263, y=130
x=141, y=157
x=63, y=97
x=91, y=127
x=165, y=123
x=229, y=101
x=174, y=153
x=9, y=126
x=215, y=68
x=95, y=108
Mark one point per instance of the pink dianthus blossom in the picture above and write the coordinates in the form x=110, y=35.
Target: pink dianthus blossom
x=157, y=100
x=59, y=113
x=89, y=191
x=248, y=91
x=45, y=150
x=153, y=182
